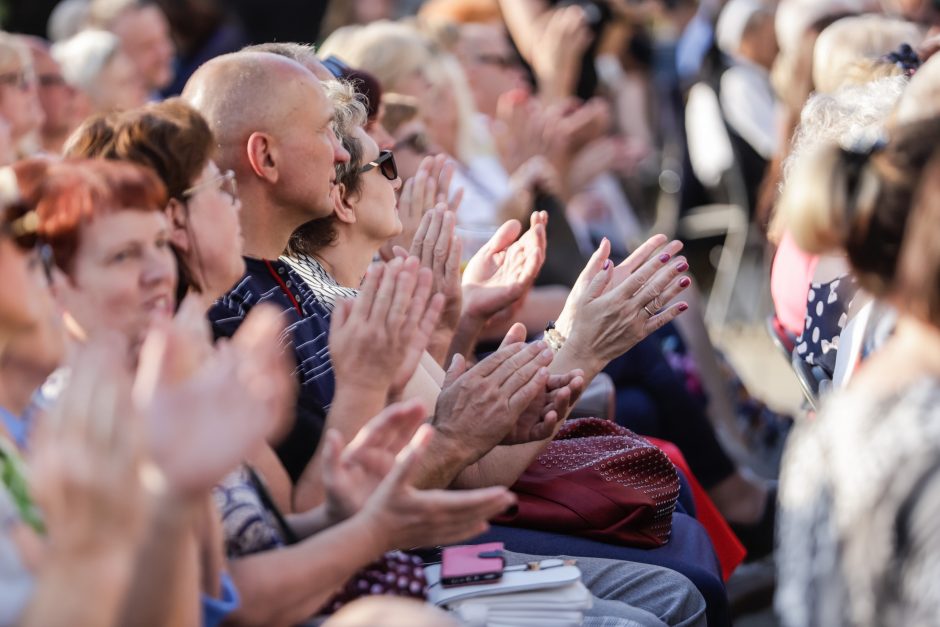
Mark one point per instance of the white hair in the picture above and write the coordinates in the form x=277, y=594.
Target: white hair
x=84, y=56
x=853, y=115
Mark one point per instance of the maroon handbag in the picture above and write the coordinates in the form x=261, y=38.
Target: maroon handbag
x=601, y=481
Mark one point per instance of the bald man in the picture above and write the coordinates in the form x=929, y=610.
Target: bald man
x=272, y=123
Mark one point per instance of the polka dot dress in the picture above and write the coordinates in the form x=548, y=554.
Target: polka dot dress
x=827, y=309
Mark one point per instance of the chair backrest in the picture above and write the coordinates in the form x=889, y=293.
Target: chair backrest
x=709, y=143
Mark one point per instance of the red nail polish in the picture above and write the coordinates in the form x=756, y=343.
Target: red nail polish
x=682, y=267
x=685, y=281
x=607, y=264
x=664, y=257
x=683, y=306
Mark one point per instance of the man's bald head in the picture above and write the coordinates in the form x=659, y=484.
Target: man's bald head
x=304, y=54
x=247, y=92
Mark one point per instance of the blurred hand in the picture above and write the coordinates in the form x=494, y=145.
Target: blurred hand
x=500, y=274
x=377, y=339
x=429, y=186
x=479, y=407
x=352, y=473
x=189, y=393
x=609, y=308
x=438, y=247
x=518, y=129
x=87, y=458
x=549, y=407
x=556, y=61
x=407, y=517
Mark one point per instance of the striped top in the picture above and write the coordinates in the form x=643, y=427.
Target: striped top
x=319, y=280
x=307, y=325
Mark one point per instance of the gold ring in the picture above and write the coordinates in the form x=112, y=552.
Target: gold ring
x=646, y=307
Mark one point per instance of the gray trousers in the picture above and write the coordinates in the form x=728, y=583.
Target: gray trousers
x=628, y=594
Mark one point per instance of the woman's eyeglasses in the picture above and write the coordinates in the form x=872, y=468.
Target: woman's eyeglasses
x=21, y=79
x=23, y=233
x=385, y=163
x=225, y=181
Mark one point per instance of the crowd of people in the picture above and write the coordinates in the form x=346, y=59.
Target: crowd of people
x=293, y=301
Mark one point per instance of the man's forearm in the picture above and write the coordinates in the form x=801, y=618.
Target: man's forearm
x=445, y=458
x=465, y=337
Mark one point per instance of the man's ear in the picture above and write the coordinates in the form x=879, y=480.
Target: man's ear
x=341, y=207
x=176, y=213
x=263, y=156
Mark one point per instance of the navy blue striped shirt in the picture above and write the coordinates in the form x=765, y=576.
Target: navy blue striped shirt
x=307, y=324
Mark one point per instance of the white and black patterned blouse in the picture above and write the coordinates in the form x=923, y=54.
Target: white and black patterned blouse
x=320, y=281
x=859, y=538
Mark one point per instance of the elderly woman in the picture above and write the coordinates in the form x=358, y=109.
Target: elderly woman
x=94, y=63
x=859, y=485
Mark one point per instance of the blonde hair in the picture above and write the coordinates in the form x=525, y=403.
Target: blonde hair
x=394, y=51
x=399, y=109
x=853, y=39
x=853, y=114
x=14, y=51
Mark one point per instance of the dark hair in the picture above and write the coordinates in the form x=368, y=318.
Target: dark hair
x=169, y=137
x=918, y=290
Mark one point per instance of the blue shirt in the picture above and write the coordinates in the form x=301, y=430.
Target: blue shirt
x=307, y=325
x=214, y=611
x=16, y=426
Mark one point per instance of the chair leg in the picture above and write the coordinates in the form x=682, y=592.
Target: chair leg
x=732, y=251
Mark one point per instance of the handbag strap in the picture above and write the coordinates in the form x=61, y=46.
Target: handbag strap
x=264, y=495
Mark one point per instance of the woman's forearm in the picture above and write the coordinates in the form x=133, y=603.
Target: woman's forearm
x=288, y=585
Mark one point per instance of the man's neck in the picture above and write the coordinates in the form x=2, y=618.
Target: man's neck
x=347, y=259
x=265, y=227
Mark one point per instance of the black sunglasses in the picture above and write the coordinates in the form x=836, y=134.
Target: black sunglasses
x=385, y=163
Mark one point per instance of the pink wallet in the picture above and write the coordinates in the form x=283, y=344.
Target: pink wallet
x=472, y=564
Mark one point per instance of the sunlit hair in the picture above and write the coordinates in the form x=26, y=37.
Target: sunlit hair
x=75, y=192
x=858, y=199
x=852, y=114
x=856, y=38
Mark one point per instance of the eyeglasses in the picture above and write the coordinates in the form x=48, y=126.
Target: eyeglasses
x=51, y=80
x=43, y=256
x=225, y=181
x=506, y=62
x=385, y=163
x=22, y=230
x=20, y=79
x=418, y=142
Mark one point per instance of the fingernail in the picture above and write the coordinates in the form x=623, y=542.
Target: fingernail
x=547, y=352
x=607, y=264
x=664, y=257
x=685, y=282
x=683, y=306
x=682, y=267
x=541, y=344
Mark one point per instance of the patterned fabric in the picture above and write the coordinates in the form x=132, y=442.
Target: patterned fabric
x=307, y=324
x=319, y=280
x=249, y=527
x=859, y=504
x=13, y=478
x=394, y=574
x=827, y=306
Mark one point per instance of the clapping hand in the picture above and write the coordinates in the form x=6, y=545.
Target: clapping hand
x=372, y=476
x=428, y=187
x=189, y=392
x=550, y=406
x=499, y=275
x=395, y=312
x=610, y=309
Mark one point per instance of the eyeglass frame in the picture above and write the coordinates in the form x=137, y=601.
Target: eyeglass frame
x=228, y=176
x=385, y=156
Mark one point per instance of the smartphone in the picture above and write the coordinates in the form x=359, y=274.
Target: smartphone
x=472, y=564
